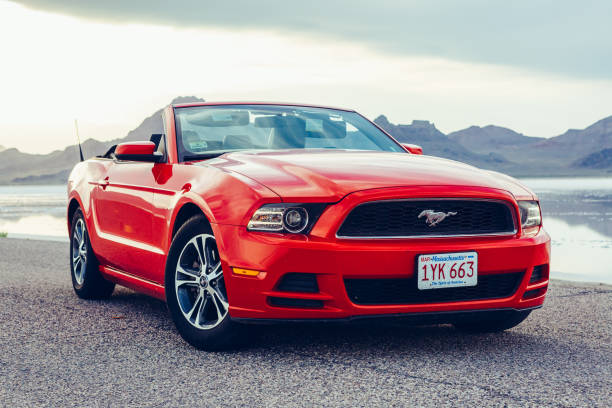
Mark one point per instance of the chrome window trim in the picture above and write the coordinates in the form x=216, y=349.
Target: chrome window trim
x=388, y=237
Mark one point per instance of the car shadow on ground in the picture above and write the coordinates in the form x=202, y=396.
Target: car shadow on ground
x=388, y=336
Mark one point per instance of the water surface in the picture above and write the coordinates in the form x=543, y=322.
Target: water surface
x=34, y=211
x=578, y=216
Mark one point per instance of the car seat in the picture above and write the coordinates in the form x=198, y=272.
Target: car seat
x=290, y=134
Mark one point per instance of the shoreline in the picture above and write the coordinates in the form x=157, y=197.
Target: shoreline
x=568, y=278
x=34, y=237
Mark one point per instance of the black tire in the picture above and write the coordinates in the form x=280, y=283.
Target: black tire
x=494, y=322
x=196, y=294
x=87, y=280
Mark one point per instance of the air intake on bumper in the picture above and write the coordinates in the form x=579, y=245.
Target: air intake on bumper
x=405, y=291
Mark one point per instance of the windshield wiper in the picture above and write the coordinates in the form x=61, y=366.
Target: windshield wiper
x=195, y=157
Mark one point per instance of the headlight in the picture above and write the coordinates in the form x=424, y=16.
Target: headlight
x=530, y=214
x=292, y=218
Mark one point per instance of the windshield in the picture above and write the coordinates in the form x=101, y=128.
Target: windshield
x=208, y=131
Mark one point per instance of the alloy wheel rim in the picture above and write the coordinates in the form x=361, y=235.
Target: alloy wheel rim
x=79, y=251
x=199, y=284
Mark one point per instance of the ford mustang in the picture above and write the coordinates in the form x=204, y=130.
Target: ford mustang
x=259, y=212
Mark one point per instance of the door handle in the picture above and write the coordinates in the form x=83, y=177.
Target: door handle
x=104, y=183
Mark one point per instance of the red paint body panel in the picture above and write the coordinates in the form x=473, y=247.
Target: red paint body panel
x=135, y=148
x=329, y=175
x=130, y=209
x=333, y=261
x=412, y=148
x=303, y=105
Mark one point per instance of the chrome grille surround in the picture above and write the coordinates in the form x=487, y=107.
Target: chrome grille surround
x=511, y=213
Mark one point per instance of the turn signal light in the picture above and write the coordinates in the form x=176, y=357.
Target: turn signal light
x=245, y=272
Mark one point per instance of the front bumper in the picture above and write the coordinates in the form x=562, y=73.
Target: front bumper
x=333, y=260
x=415, y=319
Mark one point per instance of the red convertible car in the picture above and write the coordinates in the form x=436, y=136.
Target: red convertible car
x=259, y=212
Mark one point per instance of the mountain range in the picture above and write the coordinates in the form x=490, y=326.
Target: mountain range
x=576, y=152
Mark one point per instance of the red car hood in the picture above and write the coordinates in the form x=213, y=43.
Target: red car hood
x=332, y=174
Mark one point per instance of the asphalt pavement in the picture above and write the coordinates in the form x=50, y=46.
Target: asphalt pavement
x=58, y=350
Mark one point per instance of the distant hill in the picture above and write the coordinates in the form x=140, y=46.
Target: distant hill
x=490, y=138
x=24, y=168
x=576, y=152
x=434, y=142
x=2, y=148
x=594, y=138
x=598, y=160
x=540, y=156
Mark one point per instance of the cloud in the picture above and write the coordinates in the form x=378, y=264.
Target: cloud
x=564, y=37
x=58, y=67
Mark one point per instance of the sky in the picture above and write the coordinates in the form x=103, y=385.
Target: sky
x=537, y=67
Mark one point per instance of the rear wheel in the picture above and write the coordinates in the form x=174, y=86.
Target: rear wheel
x=496, y=322
x=87, y=280
x=195, y=288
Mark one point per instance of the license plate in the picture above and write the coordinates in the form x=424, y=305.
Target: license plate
x=437, y=271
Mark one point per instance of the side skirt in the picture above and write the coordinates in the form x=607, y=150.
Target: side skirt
x=134, y=282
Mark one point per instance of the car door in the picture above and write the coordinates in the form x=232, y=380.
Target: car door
x=123, y=204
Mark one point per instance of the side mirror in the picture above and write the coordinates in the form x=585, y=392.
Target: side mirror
x=412, y=148
x=138, y=151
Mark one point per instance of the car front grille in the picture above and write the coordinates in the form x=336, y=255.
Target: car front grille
x=404, y=291
x=409, y=218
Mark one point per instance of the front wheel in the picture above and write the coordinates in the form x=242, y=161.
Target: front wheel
x=496, y=322
x=195, y=289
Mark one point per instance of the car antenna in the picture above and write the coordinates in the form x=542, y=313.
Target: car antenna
x=76, y=127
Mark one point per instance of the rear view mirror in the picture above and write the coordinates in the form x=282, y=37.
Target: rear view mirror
x=219, y=118
x=280, y=122
x=313, y=127
x=137, y=151
x=325, y=129
x=412, y=148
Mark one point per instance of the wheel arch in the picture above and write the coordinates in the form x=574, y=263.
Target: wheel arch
x=73, y=205
x=185, y=212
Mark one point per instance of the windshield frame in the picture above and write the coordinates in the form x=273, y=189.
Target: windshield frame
x=183, y=157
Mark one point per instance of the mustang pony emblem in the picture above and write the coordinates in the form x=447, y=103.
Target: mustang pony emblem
x=434, y=218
